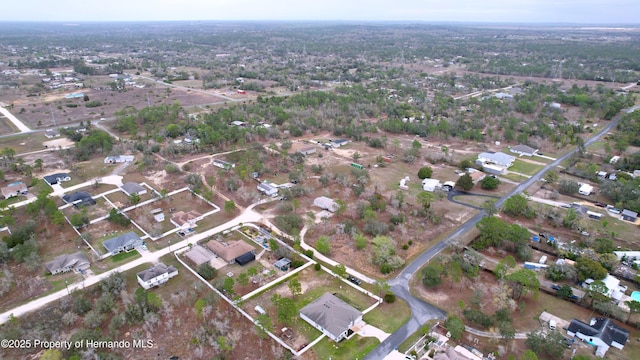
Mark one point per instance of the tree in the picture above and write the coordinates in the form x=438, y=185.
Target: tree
x=522, y=282
x=425, y=172
x=634, y=308
x=489, y=207
x=425, y=199
x=517, y=205
x=229, y=206
x=530, y=355
x=552, y=344
x=551, y=177
x=134, y=199
x=340, y=270
x=565, y=292
x=243, y=279
x=432, y=275
x=588, y=268
x=286, y=310
x=596, y=291
x=489, y=183
x=295, y=287
x=465, y=182
x=323, y=245
x=455, y=326
x=227, y=286
x=568, y=187
x=382, y=287
x=416, y=145
x=38, y=164
x=507, y=330
x=263, y=324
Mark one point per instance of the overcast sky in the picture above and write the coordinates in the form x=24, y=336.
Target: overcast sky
x=528, y=11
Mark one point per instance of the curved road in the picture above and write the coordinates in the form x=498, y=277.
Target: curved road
x=421, y=311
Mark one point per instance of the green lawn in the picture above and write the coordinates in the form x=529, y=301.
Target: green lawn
x=125, y=255
x=515, y=177
x=389, y=317
x=524, y=167
x=355, y=348
x=472, y=200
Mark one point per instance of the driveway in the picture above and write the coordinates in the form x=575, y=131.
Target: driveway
x=367, y=330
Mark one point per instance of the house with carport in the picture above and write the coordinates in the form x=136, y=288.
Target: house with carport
x=67, y=262
x=602, y=333
x=156, y=275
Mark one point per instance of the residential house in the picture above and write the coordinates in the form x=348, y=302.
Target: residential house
x=431, y=185
x=307, y=151
x=125, y=242
x=448, y=185
x=186, y=219
x=476, y=175
x=626, y=215
x=602, y=333
x=497, y=158
x=51, y=133
x=156, y=275
x=494, y=169
x=339, y=142
x=199, y=255
x=222, y=164
x=131, y=188
x=67, y=262
x=523, y=150
x=268, y=189
x=326, y=203
x=585, y=189
x=118, y=159
x=79, y=199
x=14, y=189
x=233, y=252
x=238, y=123
x=57, y=178
x=332, y=316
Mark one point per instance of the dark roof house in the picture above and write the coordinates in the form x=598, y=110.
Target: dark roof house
x=124, y=242
x=131, y=188
x=331, y=315
x=79, y=198
x=600, y=332
x=629, y=215
x=57, y=178
x=156, y=275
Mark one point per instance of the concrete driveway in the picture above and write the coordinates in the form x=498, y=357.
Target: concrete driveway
x=367, y=330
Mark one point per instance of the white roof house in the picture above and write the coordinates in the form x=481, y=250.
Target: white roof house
x=268, y=189
x=523, y=150
x=498, y=158
x=326, y=203
x=585, y=189
x=431, y=184
x=131, y=188
x=118, y=159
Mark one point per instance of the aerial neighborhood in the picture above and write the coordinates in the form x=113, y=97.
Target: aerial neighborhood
x=319, y=191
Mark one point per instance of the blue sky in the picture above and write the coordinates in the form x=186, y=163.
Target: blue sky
x=519, y=11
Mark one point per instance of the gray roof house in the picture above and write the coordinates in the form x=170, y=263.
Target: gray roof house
x=331, y=315
x=600, y=332
x=326, y=203
x=14, y=189
x=124, y=242
x=57, y=178
x=498, y=158
x=523, y=150
x=79, y=198
x=156, y=275
x=307, y=151
x=117, y=159
x=268, y=189
x=629, y=215
x=199, y=255
x=131, y=188
x=67, y=262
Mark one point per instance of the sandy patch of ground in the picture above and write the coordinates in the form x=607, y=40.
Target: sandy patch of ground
x=62, y=143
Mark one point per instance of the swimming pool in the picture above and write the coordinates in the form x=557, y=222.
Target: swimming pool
x=635, y=296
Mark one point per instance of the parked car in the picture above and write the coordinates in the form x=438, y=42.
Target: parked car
x=354, y=280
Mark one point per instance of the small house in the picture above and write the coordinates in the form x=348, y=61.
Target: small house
x=332, y=316
x=628, y=215
x=57, y=178
x=268, y=189
x=448, y=185
x=431, y=185
x=339, y=142
x=283, y=264
x=498, y=158
x=51, y=133
x=186, y=219
x=156, y=275
x=585, y=189
x=67, y=262
x=326, y=203
x=307, y=151
x=222, y=164
x=125, y=242
x=131, y=188
x=14, y=189
x=118, y=159
x=523, y=150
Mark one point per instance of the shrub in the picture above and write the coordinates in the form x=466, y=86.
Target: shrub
x=425, y=172
x=390, y=297
x=207, y=271
x=317, y=266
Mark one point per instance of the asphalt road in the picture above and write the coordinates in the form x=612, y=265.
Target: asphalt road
x=421, y=312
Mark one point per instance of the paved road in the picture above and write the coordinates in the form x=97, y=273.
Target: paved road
x=421, y=312
x=16, y=122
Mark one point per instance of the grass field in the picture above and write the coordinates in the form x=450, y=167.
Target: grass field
x=23, y=143
x=514, y=177
x=524, y=167
x=472, y=200
x=124, y=256
x=355, y=348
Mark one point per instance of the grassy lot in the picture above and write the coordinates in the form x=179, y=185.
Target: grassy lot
x=472, y=200
x=355, y=348
x=125, y=255
x=6, y=126
x=524, y=167
x=389, y=317
x=514, y=177
x=23, y=143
